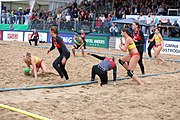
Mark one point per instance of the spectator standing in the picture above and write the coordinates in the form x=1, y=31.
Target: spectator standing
x=3, y=17
x=58, y=14
x=98, y=25
x=68, y=17
x=75, y=13
x=102, y=18
x=113, y=30
x=174, y=30
x=150, y=20
x=142, y=18
x=143, y=9
x=8, y=17
x=75, y=4
x=168, y=23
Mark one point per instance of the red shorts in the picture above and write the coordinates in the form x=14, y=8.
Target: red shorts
x=39, y=64
x=157, y=46
x=134, y=54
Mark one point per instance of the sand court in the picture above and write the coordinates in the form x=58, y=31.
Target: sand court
x=157, y=99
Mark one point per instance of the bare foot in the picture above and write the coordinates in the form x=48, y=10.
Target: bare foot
x=99, y=84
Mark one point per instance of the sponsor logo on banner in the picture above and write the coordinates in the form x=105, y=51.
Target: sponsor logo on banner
x=97, y=41
x=170, y=47
x=12, y=35
x=94, y=41
x=68, y=38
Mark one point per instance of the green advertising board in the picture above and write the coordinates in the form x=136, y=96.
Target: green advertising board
x=16, y=27
x=97, y=41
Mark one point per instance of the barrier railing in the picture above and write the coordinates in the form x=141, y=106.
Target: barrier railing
x=15, y=19
x=95, y=26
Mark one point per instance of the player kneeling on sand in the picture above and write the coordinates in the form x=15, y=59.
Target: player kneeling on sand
x=101, y=69
x=34, y=63
x=78, y=44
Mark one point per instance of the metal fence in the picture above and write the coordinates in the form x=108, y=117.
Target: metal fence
x=43, y=24
x=94, y=26
x=15, y=19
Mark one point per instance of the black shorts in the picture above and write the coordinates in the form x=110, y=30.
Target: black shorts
x=77, y=46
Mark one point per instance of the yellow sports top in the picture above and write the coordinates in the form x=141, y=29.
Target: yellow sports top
x=131, y=46
x=157, y=39
x=36, y=59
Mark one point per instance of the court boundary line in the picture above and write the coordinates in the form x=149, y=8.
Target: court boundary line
x=81, y=83
x=32, y=115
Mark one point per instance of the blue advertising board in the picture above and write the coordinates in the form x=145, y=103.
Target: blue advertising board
x=67, y=38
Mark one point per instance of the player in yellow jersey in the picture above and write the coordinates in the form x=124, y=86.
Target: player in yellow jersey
x=35, y=63
x=133, y=56
x=158, y=46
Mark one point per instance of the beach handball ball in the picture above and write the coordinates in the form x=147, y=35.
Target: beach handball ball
x=26, y=71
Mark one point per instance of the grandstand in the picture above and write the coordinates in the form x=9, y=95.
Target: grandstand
x=91, y=15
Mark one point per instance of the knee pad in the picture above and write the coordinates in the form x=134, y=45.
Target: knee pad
x=130, y=73
x=121, y=62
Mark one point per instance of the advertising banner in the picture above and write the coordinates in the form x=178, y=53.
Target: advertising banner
x=170, y=47
x=15, y=26
x=67, y=38
x=97, y=41
x=12, y=35
x=91, y=40
x=0, y=35
x=117, y=43
x=42, y=36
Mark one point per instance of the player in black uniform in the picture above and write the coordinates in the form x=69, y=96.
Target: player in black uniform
x=60, y=62
x=151, y=44
x=139, y=40
x=101, y=69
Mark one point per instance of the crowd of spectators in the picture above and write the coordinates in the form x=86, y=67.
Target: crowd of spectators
x=100, y=12
x=14, y=16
